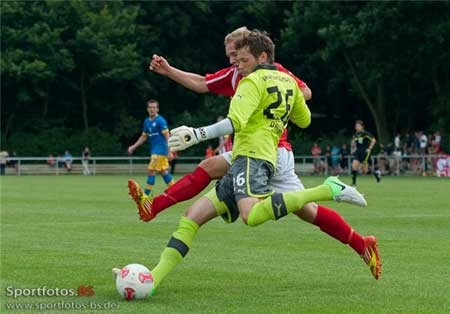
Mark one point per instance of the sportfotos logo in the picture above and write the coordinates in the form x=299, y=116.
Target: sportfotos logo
x=19, y=294
x=82, y=291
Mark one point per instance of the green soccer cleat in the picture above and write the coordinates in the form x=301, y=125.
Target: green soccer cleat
x=345, y=193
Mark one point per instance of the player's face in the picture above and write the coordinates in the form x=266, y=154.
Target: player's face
x=246, y=62
x=152, y=109
x=231, y=52
x=358, y=127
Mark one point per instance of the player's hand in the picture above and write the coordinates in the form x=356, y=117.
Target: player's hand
x=159, y=65
x=368, y=150
x=131, y=149
x=182, y=138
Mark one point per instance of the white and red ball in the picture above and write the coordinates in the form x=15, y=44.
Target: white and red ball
x=135, y=281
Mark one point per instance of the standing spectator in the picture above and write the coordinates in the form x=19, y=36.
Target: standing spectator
x=3, y=159
x=85, y=157
x=423, y=143
x=343, y=159
x=156, y=132
x=335, y=152
x=394, y=166
x=329, y=165
x=51, y=162
x=67, y=159
x=225, y=142
x=381, y=159
x=408, y=140
x=316, y=151
x=438, y=138
x=397, y=141
x=173, y=156
x=13, y=163
x=416, y=143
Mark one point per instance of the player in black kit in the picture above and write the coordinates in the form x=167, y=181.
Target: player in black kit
x=362, y=145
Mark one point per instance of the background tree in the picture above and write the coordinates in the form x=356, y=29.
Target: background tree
x=75, y=73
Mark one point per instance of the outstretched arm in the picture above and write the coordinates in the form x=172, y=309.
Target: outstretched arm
x=192, y=81
x=184, y=136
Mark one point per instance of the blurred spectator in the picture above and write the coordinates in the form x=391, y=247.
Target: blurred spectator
x=3, y=157
x=335, y=152
x=51, y=162
x=209, y=152
x=343, y=160
x=328, y=157
x=408, y=140
x=416, y=143
x=173, y=156
x=86, y=156
x=67, y=159
x=13, y=162
x=443, y=166
x=382, y=159
x=438, y=137
x=394, y=164
x=397, y=141
x=316, y=151
x=225, y=142
x=423, y=143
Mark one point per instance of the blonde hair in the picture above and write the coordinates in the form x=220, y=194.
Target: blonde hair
x=236, y=34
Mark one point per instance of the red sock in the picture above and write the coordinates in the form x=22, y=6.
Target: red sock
x=185, y=188
x=333, y=224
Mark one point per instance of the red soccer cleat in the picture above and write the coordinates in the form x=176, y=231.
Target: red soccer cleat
x=371, y=256
x=143, y=202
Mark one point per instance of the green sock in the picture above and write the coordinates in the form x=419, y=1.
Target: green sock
x=280, y=204
x=176, y=249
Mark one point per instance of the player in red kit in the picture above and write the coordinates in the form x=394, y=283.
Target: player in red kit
x=224, y=82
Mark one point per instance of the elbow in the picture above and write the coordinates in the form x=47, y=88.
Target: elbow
x=307, y=93
x=304, y=123
x=307, y=123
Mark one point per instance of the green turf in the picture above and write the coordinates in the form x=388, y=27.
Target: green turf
x=67, y=231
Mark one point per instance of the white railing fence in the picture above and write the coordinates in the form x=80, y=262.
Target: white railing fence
x=305, y=164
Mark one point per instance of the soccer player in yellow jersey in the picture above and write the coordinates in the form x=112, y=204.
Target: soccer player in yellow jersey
x=264, y=102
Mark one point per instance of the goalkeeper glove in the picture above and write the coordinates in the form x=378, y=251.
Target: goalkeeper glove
x=184, y=137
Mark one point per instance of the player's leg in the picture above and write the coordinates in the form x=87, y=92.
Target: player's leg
x=328, y=220
x=216, y=202
x=151, y=177
x=279, y=205
x=187, y=187
x=355, y=168
x=181, y=240
x=163, y=169
x=332, y=223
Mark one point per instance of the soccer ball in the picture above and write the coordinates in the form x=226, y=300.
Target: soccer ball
x=135, y=281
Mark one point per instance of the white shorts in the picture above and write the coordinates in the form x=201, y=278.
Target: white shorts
x=285, y=178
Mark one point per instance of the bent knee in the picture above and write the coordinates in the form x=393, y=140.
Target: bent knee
x=308, y=212
x=216, y=167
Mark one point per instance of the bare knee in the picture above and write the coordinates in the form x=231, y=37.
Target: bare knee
x=216, y=167
x=245, y=207
x=308, y=212
x=201, y=211
x=244, y=217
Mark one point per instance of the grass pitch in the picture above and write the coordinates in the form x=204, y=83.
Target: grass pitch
x=66, y=231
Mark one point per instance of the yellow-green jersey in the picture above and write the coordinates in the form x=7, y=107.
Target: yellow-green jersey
x=264, y=102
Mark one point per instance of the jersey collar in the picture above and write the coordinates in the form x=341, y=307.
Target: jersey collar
x=265, y=66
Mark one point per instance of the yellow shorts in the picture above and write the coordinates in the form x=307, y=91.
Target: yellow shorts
x=158, y=163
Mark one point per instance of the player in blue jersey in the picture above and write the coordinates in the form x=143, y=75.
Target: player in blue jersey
x=155, y=130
